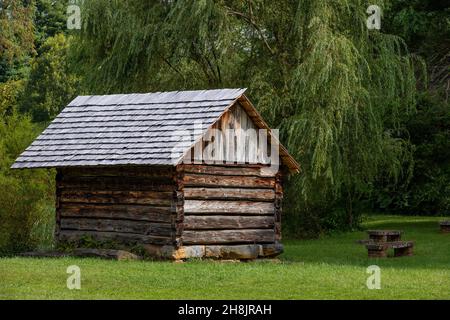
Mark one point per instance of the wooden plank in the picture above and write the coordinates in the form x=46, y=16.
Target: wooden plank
x=229, y=194
x=263, y=147
x=72, y=235
x=252, y=148
x=228, y=123
x=228, y=236
x=130, y=212
x=229, y=207
x=256, y=171
x=228, y=222
x=118, y=197
x=290, y=162
x=228, y=181
x=125, y=226
x=240, y=137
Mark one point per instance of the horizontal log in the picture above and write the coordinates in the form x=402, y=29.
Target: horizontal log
x=114, y=187
x=229, y=207
x=118, y=197
x=130, y=212
x=120, y=171
x=229, y=194
x=228, y=236
x=125, y=226
x=72, y=235
x=258, y=171
x=116, y=183
x=228, y=222
x=227, y=181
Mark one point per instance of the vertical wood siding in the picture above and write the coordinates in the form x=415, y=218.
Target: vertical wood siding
x=234, y=139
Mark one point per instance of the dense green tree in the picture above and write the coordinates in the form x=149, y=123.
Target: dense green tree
x=49, y=19
x=9, y=93
x=51, y=85
x=16, y=37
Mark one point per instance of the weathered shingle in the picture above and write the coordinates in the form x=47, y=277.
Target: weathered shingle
x=130, y=129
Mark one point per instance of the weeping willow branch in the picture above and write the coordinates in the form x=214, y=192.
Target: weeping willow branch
x=249, y=20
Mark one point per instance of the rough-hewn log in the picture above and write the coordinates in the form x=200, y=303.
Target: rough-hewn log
x=229, y=207
x=228, y=181
x=229, y=194
x=126, y=171
x=118, y=197
x=117, y=183
x=125, y=226
x=256, y=171
x=227, y=222
x=130, y=212
x=229, y=236
x=72, y=235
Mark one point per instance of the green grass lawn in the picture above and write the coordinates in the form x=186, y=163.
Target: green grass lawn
x=333, y=267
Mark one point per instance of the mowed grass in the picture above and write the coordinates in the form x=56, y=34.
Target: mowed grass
x=333, y=267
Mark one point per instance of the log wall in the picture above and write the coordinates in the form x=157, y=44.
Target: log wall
x=230, y=204
x=123, y=204
x=181, y=206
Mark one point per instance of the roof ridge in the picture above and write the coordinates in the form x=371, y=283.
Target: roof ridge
x=158, y=92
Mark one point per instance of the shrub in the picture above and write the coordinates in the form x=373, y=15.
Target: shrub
x=26, y=197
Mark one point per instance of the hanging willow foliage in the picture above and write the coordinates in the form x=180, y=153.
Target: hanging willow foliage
x=350, y=89
x=337, y=90
x=154, y=45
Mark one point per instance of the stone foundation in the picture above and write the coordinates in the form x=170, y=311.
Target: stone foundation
x=223, y=252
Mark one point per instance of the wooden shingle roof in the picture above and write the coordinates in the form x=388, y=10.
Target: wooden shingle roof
x=128, y=129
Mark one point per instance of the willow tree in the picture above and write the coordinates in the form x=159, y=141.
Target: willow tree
x=336, y=89
x=351, y=87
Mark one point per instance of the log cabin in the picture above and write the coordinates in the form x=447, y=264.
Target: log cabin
x=187, y=174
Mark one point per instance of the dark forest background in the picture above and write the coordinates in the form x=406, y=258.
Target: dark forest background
x=365, y=112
